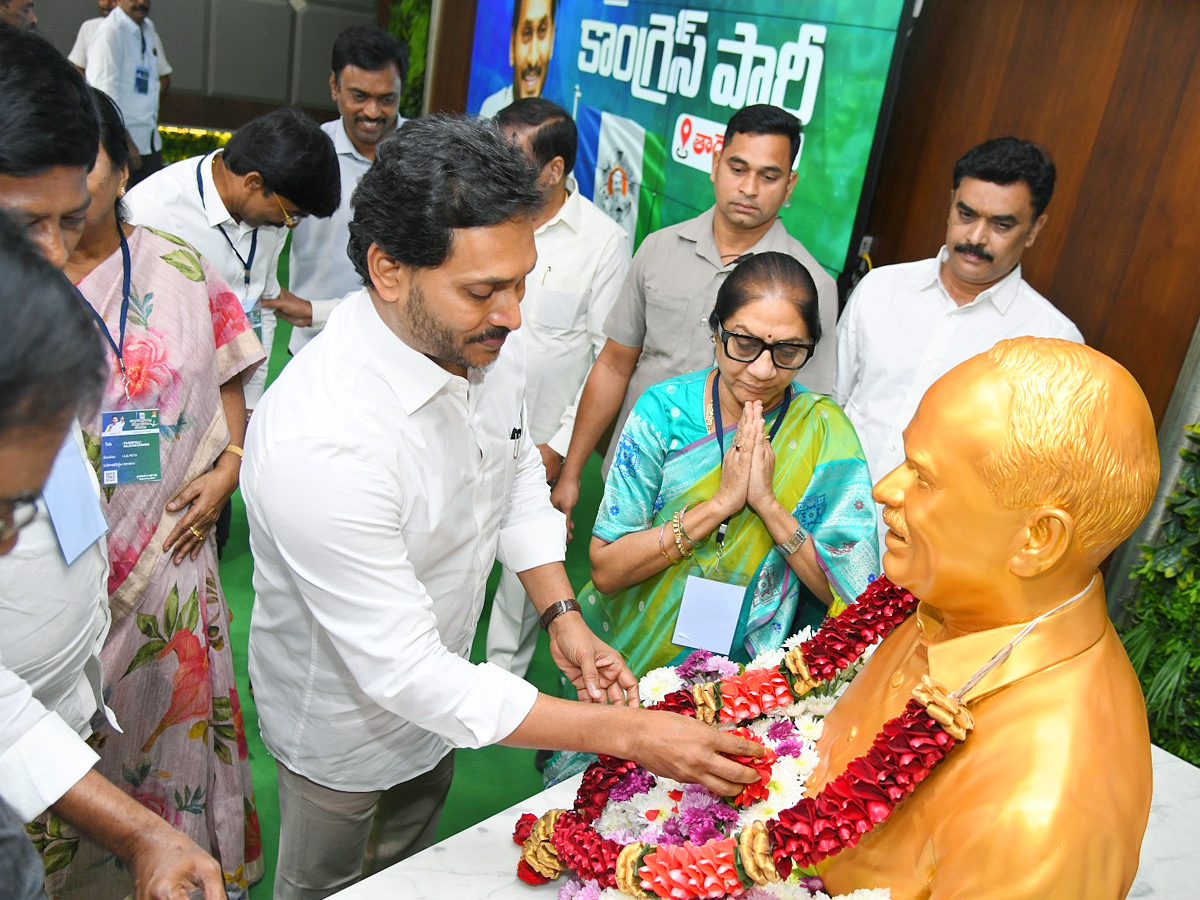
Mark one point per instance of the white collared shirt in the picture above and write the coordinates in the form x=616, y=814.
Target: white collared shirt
x=87, y=30
x=170, y=200
x=319, y=270
x=379, y=490
x=119, y=48
x=901, y=331
x=582, y=259
x=53, y=622
x=495, y=102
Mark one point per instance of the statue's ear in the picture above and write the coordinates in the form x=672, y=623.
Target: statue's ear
x=1049, y=536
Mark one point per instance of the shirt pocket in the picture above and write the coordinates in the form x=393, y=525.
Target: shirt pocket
x=666, y=315
x=559, y=299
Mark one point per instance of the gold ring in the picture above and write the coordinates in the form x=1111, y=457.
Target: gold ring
x=197, y=534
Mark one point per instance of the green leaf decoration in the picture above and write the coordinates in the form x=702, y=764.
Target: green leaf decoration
x=146, y=653
x=222, y=709
x=222, y=751
x=167, y=236
x=58, y=856
x=148, y=625
x=191, y=611
x=228, y=732
x=170, y=618
x=187, y=262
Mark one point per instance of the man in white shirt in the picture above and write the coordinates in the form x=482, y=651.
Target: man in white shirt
x=658, y=327
x=907, y=325
x=122, y=60
x=531, y=44
x=87, y=30
x=386, y=470
x=582, y=259
x=366, y=79
x=53, y=596
x=236, y=205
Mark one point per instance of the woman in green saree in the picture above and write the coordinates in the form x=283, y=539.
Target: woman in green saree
x=736, y=475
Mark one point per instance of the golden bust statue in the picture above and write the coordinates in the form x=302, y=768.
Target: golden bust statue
x=1024, y=467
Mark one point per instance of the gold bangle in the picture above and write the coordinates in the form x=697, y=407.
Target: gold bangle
x=677, y=528
x=662, y=547
x=234, y=449
x=682, y=513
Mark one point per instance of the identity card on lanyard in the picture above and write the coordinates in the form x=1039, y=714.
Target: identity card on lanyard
x=130, y=442
x=710, y=610
x=254, y=313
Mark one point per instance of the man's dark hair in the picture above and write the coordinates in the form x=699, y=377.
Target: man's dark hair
x=762, y=275
x=369, y=48
x=433, y=175
x=550, y=127
x=517, y=4
x=762, y=118
x=293, y=155
x=51, y=359
x=1008, y=160
x=47, y=115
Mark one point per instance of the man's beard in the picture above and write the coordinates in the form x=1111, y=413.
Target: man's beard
x=436, y=339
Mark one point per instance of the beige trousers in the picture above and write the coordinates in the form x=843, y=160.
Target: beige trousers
x=329, y=839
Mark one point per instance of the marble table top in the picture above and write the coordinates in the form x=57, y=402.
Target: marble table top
x=481, y=862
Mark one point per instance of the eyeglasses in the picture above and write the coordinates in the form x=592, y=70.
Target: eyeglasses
x=15, y=515
x=745, y=348
x=290, y=220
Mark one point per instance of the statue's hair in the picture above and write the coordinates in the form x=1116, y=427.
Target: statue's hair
x=1065, y=446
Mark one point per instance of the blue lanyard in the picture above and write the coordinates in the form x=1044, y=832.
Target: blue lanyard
x=246, y=263
x=119, y=347
x=719, y=429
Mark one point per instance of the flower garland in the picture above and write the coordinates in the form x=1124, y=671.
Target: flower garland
x=760, y=853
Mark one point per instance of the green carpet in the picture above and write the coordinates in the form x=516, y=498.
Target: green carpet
x=486, y=781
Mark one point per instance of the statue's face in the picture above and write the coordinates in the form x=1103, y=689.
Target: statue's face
x=949, y=538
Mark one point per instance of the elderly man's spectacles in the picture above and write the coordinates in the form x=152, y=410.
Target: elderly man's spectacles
x=15, y=514
x=746, y=348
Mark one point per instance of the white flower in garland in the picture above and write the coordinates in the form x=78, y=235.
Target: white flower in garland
x=657, y=683
x=809, y=727
x=798, y=638
x=786, y=790
x=768, y=659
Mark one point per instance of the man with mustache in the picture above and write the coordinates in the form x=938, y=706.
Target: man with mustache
x=658, y=327
x=529, y=52
x=386, y=470
x=122, y=60
x=87, y=31
x=367, y=77
x=906, y=325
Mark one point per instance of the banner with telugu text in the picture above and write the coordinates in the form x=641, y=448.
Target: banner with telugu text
x=652, y=84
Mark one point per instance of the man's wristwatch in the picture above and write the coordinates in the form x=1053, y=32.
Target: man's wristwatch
x=792, y=544
x=556, y=609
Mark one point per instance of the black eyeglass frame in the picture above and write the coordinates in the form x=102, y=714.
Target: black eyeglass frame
x=763, y=347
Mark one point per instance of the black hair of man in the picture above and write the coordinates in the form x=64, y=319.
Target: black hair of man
x=550, y=127
x=762, y=118
x=517, y=4
x=294, y=157
x=1008, y=160
x=51, y=359
x=433, y=175
x=370, y=49
x=47, y=115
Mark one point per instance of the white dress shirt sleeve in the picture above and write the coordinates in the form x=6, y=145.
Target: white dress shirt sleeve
x=323, y=309
x=41, y=756
x=846, y=367
x=351, y=568
x=610, y=275
x=164, y=67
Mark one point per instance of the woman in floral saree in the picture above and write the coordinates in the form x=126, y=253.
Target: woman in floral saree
x=766, y=488
x=185, y=350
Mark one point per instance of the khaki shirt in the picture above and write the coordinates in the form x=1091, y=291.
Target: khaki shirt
x=669, y=292
x=1049, y=795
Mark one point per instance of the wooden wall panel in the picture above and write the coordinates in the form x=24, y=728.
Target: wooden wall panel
x=1110, y=88
x=451, y=71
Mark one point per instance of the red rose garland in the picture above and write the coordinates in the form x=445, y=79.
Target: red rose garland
x=901, y=756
